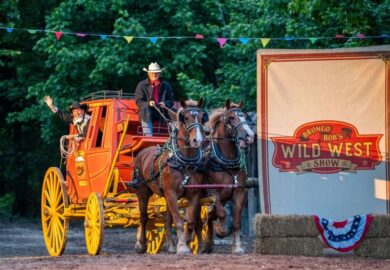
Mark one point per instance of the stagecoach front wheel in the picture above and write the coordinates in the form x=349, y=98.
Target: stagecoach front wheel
x=155, y=233
x=94, y=224
x=54, y=200
x=194, y=244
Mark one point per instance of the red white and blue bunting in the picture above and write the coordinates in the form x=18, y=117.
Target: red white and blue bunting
x=220, y=40
x=343, y=235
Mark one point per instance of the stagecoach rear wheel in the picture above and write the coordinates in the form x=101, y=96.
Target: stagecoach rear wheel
x=54, y=200
x=155, y=234
x=94, y=224
x=194, y=244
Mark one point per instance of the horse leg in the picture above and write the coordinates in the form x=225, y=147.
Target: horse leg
x=239, y=200
x=192, y=216
x=171, y=199
x=220, y=225
x=143, y=198
x=210, y=231
x=168, y=232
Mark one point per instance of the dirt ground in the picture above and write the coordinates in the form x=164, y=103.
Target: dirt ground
x=22, y=247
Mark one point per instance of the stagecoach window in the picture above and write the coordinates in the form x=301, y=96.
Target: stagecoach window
x=101, y=126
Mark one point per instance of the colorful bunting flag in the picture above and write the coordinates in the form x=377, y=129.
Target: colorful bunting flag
x=153, y=40
x=221, y=41
x=360, y=35
x=128, y=38
x=58, y=35
x=265, y=41
x=244, y=40
x=343, y=235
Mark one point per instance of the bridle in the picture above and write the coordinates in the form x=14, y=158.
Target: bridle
x=233, y=129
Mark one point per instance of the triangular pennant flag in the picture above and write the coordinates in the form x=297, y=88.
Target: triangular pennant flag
x=221, y=41
x=128, y=38
x=384, y=36
x=103, y=37
x=58, y=35
x=288, y=38
x=244, y=40
x=153, y=40
x=340, y=36
x=80, y=34
x=9, y=30
x=313, y=40
x=360, y=35
x=32, y=31
x=199, y=36
x=265, y=41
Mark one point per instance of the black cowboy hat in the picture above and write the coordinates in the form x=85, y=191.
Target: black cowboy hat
x=77, y=105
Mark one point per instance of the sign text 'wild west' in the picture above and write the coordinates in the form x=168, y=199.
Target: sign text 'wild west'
x=326, y=147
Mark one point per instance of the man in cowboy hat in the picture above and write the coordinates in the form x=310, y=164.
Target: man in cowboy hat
x=77, y=116
x=151, y=93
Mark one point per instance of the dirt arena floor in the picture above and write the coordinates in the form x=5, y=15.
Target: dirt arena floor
x=22, y=247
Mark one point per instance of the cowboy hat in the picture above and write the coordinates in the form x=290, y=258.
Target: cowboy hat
x=153, y=67
x=77, y=105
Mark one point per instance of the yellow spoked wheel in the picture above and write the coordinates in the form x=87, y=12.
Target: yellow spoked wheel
x=54, y=200
x=155, y=233
x=94, y=224
x=194, y=244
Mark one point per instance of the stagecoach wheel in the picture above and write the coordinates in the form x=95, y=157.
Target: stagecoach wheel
x=155, y=234
x=194, y=244
x=54, y=200
x=94, y=224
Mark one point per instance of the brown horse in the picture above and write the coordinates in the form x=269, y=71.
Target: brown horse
x=230, y=135
x=166, y=170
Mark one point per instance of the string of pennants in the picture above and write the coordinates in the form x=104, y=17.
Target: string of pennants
x=221, y=40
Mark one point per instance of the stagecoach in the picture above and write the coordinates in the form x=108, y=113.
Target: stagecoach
x=96, y=180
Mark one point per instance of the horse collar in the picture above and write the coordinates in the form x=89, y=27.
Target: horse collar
x=177, y=159
x=219, y=159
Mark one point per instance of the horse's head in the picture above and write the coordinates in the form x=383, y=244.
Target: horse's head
x=191, y=119
x=236, y=125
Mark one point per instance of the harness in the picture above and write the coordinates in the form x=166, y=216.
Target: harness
x=217, y=162
x=176, y=160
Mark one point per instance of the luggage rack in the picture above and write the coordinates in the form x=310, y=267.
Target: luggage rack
x=107, y=94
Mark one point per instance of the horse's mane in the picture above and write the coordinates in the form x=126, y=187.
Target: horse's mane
x=216, y=115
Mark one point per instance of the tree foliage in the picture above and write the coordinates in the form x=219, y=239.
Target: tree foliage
x=35, y=65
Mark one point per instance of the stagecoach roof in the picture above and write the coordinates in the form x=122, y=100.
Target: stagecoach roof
x=108, y=94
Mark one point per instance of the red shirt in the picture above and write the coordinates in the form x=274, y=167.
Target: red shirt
x=155, y=85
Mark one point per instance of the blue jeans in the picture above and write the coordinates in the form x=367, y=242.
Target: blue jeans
x=147, y=128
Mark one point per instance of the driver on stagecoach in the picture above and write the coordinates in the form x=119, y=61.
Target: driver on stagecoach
x=76, y=116
x=151, y=93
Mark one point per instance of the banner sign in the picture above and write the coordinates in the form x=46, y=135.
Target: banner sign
x=326, y=147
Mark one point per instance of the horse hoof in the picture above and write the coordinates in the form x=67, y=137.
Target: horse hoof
x=184, y=250
x=139, y=248
x=207, y=250
x=171, y=250
x=239, y=251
